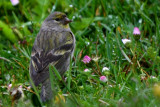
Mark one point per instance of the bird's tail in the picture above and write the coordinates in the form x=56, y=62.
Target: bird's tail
x=46, y=91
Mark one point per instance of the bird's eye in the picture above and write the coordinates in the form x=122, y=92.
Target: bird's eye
x=57, y=19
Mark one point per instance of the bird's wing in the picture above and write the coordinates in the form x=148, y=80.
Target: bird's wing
x=54, y=49
x=40, y=59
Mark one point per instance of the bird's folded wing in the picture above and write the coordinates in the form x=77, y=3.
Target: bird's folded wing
x=40, y=60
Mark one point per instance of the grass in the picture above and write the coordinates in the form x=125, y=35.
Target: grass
x=99, y=27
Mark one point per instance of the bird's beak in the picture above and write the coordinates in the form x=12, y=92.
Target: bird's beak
x=66, y=20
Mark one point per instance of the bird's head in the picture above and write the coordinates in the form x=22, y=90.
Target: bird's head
x=58, y=18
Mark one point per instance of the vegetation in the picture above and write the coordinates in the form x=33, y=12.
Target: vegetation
x=133, y=69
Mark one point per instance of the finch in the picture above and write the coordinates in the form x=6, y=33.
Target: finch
x=54, y=44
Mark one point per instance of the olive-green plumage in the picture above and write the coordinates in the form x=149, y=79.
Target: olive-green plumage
x=54, y=45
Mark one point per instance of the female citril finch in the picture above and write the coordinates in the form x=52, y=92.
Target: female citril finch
x=54, y=45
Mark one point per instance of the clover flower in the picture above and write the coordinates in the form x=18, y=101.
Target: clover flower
x=29, y=87
x=9, y=86
x=20, y=86
x=103, y=79
x=14, y=2
x=136, y=31
x=95, y=59
x=86, y=59
x=86, y=70
x=153, y=78
x=105, y=69
x=125, y=41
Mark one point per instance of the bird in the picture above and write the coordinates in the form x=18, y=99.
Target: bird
x=54, y=45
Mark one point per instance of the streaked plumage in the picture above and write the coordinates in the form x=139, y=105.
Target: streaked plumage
x=54, y=45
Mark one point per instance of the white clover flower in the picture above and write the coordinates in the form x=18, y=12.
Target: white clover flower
x=29, y=87
x=95, y=59
x=9, y=86
x=86, y=70
x=143, y=76
x=71, y=5
x=125, y=41
x=105, y=69
x=14, y=2
x=154, y=78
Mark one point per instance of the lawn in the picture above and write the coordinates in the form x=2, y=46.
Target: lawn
x=116, y=61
